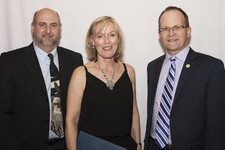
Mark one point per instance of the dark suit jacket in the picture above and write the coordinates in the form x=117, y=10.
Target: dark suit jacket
x=198, y=111
x=24, y=106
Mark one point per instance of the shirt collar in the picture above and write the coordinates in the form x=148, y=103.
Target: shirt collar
x=42, y=55
x=181, y=55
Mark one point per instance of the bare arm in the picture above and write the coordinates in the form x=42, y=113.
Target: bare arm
x=135, y=130
x=74, y=100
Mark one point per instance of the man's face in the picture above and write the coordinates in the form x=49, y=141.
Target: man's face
x=174, y=34
x=46, y=30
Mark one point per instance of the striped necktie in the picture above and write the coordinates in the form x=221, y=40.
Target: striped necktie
x=163, y=118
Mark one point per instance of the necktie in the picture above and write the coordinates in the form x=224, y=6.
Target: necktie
x=56, y=113
x=163, y=118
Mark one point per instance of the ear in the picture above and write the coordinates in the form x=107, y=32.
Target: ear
x=189, y=32
x=32, y=28
x=159, y=37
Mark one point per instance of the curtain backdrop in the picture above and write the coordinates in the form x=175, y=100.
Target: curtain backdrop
x=138, y=20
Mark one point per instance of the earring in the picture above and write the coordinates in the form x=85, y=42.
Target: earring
x=93, y=47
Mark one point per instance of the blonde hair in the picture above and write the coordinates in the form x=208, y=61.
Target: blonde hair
x=92, y=31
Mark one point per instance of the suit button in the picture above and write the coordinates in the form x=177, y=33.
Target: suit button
x=46, y=121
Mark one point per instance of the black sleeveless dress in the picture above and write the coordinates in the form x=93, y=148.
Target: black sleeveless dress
x=107, y=113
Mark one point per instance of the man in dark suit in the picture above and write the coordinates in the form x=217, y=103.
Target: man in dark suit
x=189, y=112
x=25, y=87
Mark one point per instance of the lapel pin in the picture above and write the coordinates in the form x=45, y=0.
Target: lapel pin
x=188, y=65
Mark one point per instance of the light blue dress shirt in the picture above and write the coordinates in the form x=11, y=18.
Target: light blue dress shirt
x=44, y=62
x=180, y=59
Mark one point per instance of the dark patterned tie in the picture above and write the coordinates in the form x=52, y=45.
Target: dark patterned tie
x=56, y=114
x=163, y=119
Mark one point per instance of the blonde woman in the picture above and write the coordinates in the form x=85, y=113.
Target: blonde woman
x=102, y=95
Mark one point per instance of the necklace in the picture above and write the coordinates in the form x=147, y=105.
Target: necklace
x=109, y=83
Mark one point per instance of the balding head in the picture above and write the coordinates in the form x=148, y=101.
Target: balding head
x=46, y=29
x=44, y=11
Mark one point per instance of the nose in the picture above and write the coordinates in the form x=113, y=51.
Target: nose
x=48, y=29
x=171, y=32
x=106, y=39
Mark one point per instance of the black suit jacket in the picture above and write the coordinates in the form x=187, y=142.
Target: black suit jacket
x=24, y=106
x=198, y=111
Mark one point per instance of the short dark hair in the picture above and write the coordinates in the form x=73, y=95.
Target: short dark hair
x=186, y=21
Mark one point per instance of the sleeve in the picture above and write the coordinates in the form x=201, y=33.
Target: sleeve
x=7, y=141
x=215, y=103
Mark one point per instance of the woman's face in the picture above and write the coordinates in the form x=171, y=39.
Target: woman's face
x=106, y=41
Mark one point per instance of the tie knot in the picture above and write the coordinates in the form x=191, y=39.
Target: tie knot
x=173, y=59
x=53, y=69
x=50, y=56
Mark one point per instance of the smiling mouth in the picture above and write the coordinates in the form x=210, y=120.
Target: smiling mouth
x=47, y=36
x=107, y=48
x=172, y=40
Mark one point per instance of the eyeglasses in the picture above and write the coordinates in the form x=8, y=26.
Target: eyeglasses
x=174, y=28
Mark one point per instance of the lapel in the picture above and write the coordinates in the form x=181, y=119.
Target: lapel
x=156, y=73
x=64, y=67
x=153, y=78
x=185, y=73
x=31, y=62
x=154, y=69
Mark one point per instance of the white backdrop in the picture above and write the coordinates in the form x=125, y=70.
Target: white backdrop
x=137, y=18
